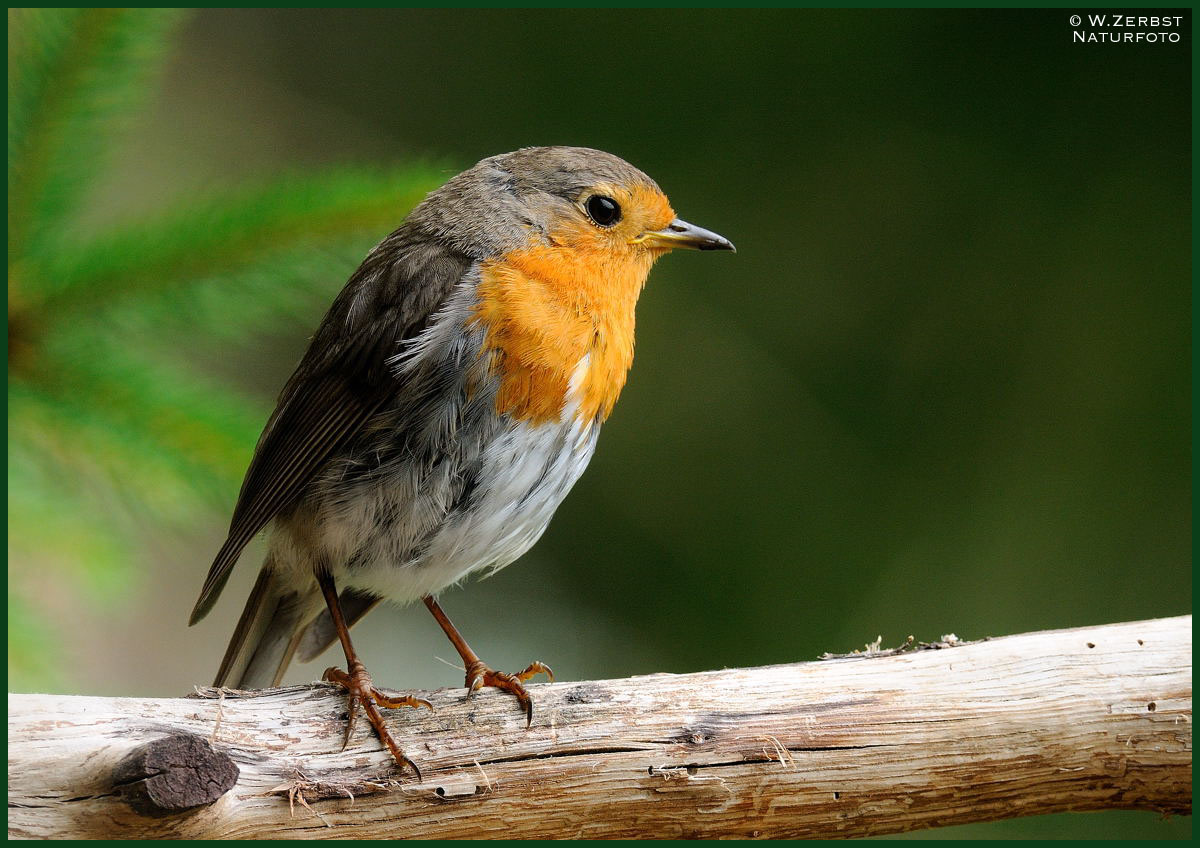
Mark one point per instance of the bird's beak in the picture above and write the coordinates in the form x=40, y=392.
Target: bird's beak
x=680, y=233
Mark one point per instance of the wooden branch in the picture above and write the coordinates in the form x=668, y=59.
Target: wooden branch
x=1086, y=719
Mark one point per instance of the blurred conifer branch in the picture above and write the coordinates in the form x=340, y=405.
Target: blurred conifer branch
x=114, y=425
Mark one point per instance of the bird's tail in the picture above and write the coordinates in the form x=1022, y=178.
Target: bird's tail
x=274, y=620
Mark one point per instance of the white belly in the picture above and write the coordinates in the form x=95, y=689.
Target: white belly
x=527, y=471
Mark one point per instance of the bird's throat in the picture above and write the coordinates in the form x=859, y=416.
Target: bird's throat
x=546, y=309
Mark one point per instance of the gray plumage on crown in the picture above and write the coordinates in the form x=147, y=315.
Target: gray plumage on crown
x=495, y=206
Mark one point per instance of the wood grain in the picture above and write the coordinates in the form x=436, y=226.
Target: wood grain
x=1084, y=719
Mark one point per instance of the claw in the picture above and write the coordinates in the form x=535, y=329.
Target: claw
x=394, y=703
x=479, y=675
x=475, y=675
x=362, y=693
x=536, y=667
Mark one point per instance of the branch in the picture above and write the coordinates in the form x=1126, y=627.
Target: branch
x=1086, y=719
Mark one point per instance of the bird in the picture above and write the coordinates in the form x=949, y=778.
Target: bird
x=446, y=405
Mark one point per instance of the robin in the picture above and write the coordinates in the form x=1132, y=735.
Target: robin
x=448, y=401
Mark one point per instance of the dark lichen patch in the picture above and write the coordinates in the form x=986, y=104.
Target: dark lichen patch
x=700, y=734
x=588, y=693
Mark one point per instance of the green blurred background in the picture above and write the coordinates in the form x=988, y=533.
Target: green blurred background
x=943, y=386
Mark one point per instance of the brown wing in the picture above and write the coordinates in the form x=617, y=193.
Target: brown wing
x=340, y=384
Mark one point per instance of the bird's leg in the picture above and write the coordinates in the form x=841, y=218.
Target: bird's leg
x=358, y=683
x=479, y=674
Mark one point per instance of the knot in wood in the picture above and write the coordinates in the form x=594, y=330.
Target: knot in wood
x=173, y=774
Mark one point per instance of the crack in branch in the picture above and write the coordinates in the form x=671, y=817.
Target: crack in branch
x=583, y=752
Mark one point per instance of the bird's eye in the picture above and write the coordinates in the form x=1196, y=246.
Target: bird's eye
x=603, y=210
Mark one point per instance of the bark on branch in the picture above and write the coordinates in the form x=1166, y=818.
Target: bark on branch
x=1085, y=719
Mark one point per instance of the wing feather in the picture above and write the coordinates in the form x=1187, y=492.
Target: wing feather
x=341, y=383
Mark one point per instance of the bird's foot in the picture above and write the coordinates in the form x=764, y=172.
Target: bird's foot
x=363, y=693
x=479, y=675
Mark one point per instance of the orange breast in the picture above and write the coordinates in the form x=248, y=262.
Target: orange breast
x=545, y=308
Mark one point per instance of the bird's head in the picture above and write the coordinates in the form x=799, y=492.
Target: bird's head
x=570, y=197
